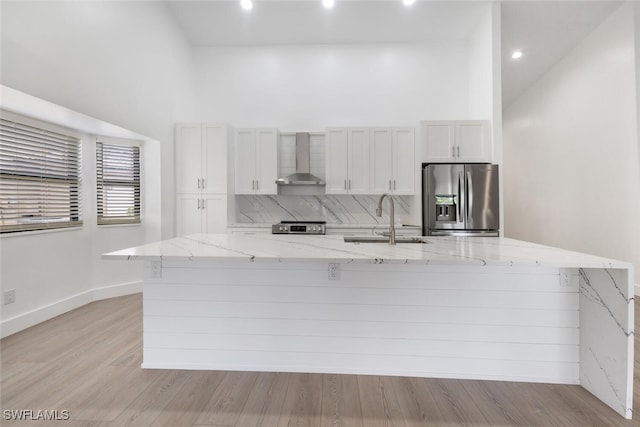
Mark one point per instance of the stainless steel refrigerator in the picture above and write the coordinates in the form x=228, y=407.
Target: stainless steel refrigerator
x=460, y=200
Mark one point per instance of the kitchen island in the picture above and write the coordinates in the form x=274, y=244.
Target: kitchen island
x=470, y=308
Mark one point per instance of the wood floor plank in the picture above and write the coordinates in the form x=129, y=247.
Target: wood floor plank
x=191, y=400
x=379, y=403
x=340, y=401
x=264, y=404
x=88, y=362
x=303, y=403
x=228, y=399
x=149, y=405
x=106, y=396
x=496, y=405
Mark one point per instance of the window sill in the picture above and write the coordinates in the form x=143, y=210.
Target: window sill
x=36, y=232
x=119, y=225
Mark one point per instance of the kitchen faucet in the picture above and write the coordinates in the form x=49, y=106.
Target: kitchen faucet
x=392, y=228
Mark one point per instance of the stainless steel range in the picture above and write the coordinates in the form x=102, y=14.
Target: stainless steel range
x=299, y=227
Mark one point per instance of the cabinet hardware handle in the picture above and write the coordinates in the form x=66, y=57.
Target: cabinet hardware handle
x=253, y=184
x=389, y=184
x=198, y=182
x=345, y=184
x=257, y=184
x=349, y=184
x=198, y=203
x=453, y=151
x=394, y=184
x=202, y=203
x=203, y=186
x=458, y=148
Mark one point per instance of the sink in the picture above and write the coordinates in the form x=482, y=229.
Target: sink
x=383, y=239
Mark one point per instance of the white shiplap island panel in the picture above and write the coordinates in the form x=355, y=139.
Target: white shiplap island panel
x=478, y=308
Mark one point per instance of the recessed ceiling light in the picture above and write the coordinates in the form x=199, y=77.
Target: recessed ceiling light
x=246, y=4
x=328, y=3
x=517, y=54
x=408, y=2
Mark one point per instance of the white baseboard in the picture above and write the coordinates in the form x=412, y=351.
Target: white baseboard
x=31, y=318
x=117, y=290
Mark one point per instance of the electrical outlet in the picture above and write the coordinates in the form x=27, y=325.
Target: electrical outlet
x=10, y=297
x=156, y=269
x=334, y=271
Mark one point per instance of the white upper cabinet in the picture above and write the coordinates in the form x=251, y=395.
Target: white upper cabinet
x=403, y=159
x=381, y=173
x=392, y=160
x=336, y=161
x=347, y=161
x=358, y=158
x=266, y=161
x=245, y=161
x=201, y=158
x=473, y=141
x=464, y=141
x=256, y=161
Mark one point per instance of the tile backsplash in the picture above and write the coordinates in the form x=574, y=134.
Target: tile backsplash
x=335, y=209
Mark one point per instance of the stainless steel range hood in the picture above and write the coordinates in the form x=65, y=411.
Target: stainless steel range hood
x=302, y=175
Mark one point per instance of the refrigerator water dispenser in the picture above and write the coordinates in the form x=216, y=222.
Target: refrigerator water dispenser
x=445, y=208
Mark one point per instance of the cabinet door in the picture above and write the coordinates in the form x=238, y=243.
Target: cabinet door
x=358, y=161
x=473, y=141
x=214, y=213
x=404, y=167
x=381, y=174
x=214, y=158
x=438, y=139
x=336, y=161
x=245, y=161
x=188, y=152
x=266, y=161
x=189, y=214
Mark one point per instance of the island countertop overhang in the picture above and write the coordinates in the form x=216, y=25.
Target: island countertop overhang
x=332, y=249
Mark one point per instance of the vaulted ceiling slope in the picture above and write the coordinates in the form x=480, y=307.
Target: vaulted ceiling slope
x=545, y=31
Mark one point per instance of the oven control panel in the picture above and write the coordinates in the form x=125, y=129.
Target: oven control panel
x=298, y=228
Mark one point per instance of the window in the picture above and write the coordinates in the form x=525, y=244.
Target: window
x=118, y=168
x=39, y=178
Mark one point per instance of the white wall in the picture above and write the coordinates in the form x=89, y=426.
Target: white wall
x=125, y=63
x=572, y=169
x=314, y=86
x=57, y=270
x=480, y=69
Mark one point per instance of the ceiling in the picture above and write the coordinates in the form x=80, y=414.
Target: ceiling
x=544, y=30
x=211, y=23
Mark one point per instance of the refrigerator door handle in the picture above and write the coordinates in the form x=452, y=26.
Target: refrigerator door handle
x=460, y=196
x=469, y=193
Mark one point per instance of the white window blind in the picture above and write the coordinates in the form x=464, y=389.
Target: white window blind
x=40, y=173
x=118, y=170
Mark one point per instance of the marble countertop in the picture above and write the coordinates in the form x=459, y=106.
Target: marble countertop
x=332, y=248
x=329, y=225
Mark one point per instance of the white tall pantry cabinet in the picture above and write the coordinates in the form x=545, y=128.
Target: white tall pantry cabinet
x=202, y=155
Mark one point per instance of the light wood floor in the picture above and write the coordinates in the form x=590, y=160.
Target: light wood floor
x=88, y=361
